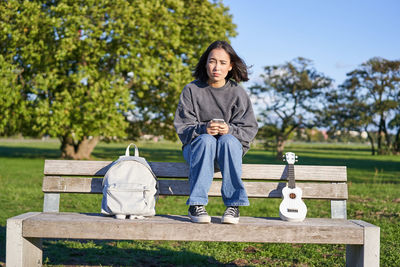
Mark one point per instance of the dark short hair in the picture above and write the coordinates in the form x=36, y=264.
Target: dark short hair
x=239, y=69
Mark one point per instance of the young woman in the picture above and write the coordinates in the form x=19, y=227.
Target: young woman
x=216, y=123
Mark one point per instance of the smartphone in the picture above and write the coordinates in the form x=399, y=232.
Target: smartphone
x=218, y=120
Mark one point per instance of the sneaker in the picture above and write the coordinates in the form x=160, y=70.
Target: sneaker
x=120, y=216
x=231, y=215
x=198, y=214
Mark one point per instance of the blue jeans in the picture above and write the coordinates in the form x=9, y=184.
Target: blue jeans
x=201, y=154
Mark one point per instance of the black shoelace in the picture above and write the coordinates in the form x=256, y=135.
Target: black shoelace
x=232, y=211
x=200, y=210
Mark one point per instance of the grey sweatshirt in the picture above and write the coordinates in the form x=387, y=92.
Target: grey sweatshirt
x=199, y=103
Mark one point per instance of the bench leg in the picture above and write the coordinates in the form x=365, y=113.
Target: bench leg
x=366, y=255
x=51, y=202
x=21, y=251
x=338, y=209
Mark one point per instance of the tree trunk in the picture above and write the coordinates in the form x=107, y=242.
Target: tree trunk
x=81, y=150
x=280, y=147
x=371, y=140
x=396, y=145
x=389, y=145
x=381, y=150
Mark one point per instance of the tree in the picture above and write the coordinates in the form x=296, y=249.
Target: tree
x=12, y=107
x=86, y=69
x=344, y=112
x=176, y=35
x=368, y=101
x=290, y=93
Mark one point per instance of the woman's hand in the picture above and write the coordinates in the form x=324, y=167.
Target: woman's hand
x=214, y=128
x=223, y=128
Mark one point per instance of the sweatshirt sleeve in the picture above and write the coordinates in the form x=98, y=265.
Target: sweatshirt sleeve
x=186, y=124
x=243, y=124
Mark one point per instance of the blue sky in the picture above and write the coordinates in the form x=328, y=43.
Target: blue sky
x=336, y=35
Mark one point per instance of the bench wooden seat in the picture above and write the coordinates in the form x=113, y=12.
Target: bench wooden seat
x=24, y=232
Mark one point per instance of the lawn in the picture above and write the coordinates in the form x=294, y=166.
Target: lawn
x=374, y=196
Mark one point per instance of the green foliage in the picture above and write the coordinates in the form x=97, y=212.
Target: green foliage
x=12, y=106
x=176, y=35
x=69, y=85
x=87, y=67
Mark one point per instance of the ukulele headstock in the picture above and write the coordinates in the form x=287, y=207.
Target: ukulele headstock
x=290, y=157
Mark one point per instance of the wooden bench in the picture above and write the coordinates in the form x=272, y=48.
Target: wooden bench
x=24, y=232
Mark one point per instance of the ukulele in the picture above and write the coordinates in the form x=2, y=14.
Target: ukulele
x=292, y=207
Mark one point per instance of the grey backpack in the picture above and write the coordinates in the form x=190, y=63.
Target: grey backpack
x=129, y=188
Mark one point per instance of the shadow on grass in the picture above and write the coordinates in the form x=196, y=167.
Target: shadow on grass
x=111, y=153
x=29, y=152
x=330, y=147
x=151, y=154
x=113, y=253
x=121, y=253
x=380, y=171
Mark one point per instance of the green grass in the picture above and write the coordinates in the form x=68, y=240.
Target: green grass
x=374, y=196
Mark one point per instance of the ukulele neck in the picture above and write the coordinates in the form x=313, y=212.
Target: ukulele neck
x=291, y=183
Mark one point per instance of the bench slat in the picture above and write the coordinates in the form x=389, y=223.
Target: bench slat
x=175, y=227
x=58, y=184
x=180, y=170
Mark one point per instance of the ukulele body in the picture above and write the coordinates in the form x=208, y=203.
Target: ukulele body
x=292, y=207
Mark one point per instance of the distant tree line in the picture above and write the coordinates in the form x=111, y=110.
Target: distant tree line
x=83, y=71
x=295, y=96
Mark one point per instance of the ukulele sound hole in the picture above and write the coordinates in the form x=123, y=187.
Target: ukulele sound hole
x=292, y=195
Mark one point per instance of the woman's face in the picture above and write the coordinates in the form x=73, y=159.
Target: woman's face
x=218, y=66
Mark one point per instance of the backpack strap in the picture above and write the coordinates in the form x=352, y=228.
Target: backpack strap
x=136, y=150
x=121, y=158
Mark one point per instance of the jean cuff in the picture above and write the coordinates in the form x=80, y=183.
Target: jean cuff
x=196, y=203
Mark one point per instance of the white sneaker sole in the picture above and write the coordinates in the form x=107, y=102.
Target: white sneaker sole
x=130, y=217
x=200, y=219
x=230, y=220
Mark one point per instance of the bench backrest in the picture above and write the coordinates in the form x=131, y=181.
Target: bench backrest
x=261, y=181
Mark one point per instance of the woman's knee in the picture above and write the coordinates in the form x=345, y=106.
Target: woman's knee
x=205, y=140
x=229, y=140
